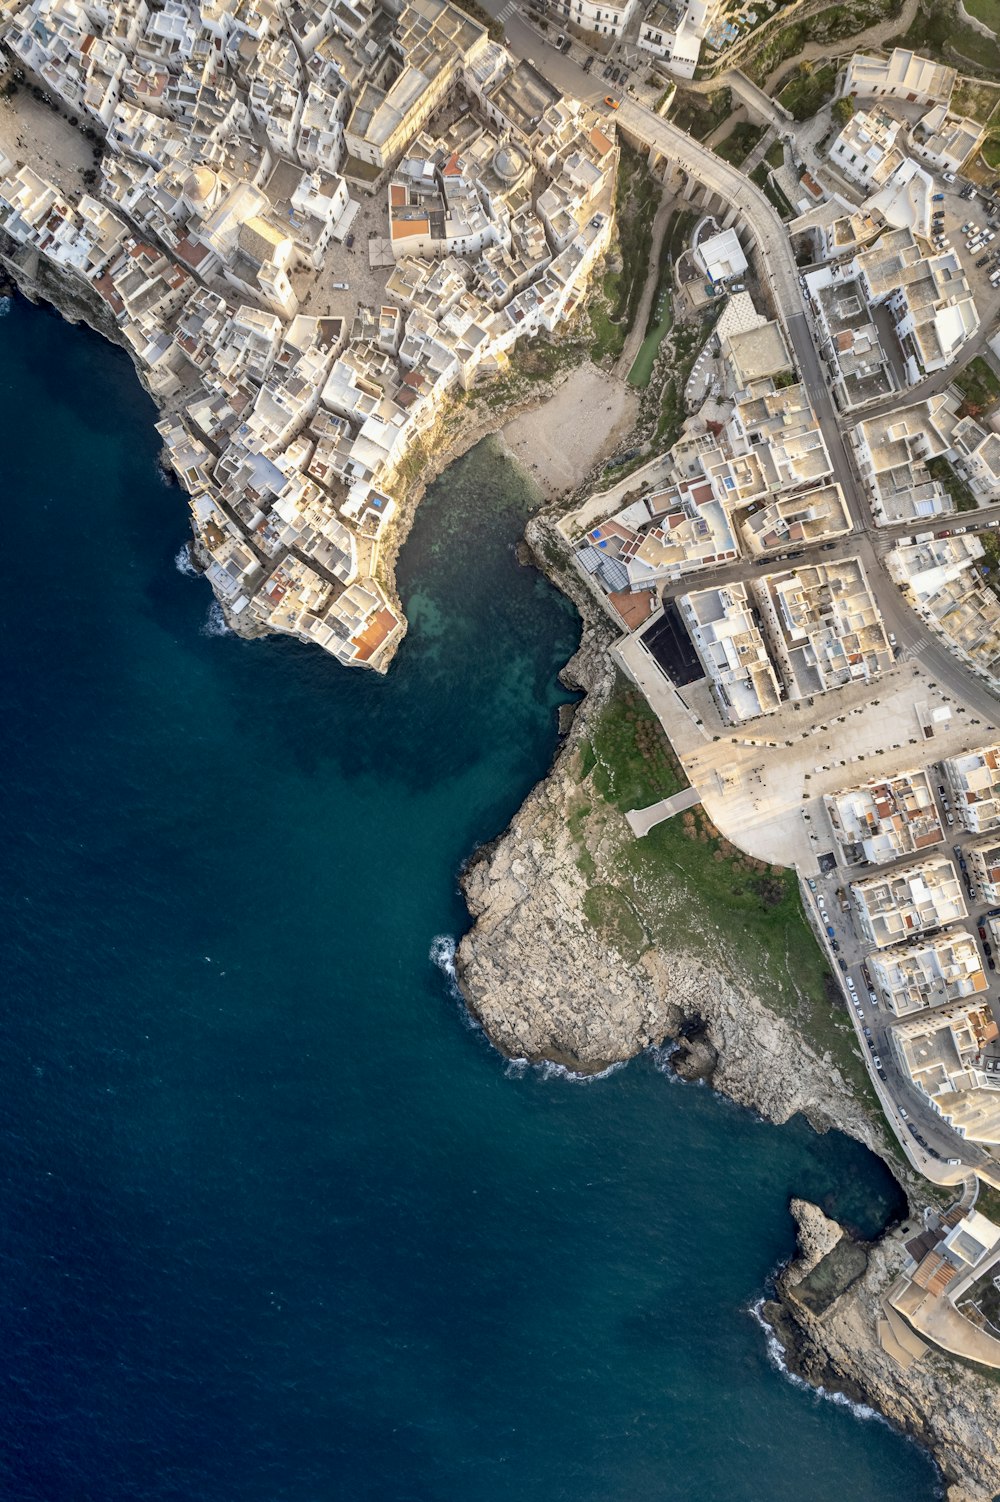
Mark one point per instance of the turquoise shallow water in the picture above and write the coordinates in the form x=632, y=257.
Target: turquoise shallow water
x=276, y=1221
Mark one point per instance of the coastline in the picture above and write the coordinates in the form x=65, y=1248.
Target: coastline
x=579, y=1002
x=747, y=1052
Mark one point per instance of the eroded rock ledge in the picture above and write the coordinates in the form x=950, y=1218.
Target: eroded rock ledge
x=950, y=1408
x=546, y=985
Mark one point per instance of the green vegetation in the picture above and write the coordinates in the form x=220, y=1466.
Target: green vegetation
x=808, y=89
x=976, y=99
x=685, y=881
x=634, y=763
x=738, y=144
x=937, y=32
x=988, y=1202
x=637, y=195
x=481, y=14
x=775, y=154
x=842, y=111
x=835, y=24
x=990, y=152
x=761, y=175
x=978, y=385
x=991, y=550
x=962, y=497
x=661, y=314
x=700, y=114
x=609, y=911
x=987, y=11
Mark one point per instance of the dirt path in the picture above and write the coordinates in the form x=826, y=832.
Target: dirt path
x=637, y=333
x=873, y=37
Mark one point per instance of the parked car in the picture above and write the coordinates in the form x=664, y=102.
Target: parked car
x=828, y=545
x=902, y=1114
x=612, y=104
x=938, y=198
x=991, y=962
x=873, y=998
x=981, y=262
x=982, y=932
x=877, y=1062
x=883, y=1076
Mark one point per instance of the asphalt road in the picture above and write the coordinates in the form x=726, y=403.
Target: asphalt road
x=781, y=272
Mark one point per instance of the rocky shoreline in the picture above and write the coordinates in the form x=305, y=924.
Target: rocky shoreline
x=545, y=985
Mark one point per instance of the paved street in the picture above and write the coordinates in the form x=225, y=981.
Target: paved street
x=944, y=674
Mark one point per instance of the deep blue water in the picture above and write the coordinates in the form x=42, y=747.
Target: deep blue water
x=276, y=1222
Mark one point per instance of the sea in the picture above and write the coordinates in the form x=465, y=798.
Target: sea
x=277, y=1224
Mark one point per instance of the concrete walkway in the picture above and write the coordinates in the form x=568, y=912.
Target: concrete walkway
x=642, y=820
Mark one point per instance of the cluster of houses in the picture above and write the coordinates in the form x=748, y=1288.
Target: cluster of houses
x=233, y=133
x=753, y=481
x=923, y=964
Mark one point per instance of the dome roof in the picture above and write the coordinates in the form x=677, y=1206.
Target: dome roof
x=509, y=162
x=200, y=184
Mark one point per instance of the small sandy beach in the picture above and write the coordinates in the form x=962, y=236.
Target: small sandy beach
x=559, y=441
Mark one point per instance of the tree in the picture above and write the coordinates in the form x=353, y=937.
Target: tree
x=842, y=111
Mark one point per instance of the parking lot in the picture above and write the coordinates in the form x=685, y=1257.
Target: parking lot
x=981, y=259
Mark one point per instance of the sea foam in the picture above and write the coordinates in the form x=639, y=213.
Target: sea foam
x=182, y=562
x=215, y=622
x=776, y=1356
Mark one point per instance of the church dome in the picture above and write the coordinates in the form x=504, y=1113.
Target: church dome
x=509, y=162
x=200, y=184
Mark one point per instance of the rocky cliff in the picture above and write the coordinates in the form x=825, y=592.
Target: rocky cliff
x=552, y=974
x=948, y=1406
x=552, y=971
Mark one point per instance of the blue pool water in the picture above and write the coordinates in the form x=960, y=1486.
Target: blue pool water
x=276, y=1223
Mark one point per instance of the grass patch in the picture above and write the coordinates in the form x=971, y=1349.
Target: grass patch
x=808, y=89
x=634, y=763
x=738, y=144
x=987, y=11
x=661, y=313
x=988, y=1202
x=962, y=498
x=990, y=152
x=976, y=99
x=637, y=195
x=938, y=33
x=737, y=903
x=775, y=154
x=700, y=114
x=761, y=175
x=978, y=385
x=685, y=881
x=608, y=910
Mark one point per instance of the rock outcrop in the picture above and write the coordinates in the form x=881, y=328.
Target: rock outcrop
x=546, y=983
x=951, y=1408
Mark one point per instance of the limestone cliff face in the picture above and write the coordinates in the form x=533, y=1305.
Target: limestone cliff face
x=547, y=984
x=950, y=1407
